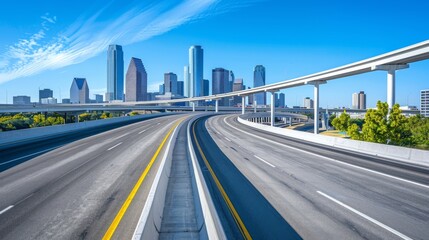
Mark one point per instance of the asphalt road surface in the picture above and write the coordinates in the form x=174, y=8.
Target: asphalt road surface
x=326, y=193
x=75, y=189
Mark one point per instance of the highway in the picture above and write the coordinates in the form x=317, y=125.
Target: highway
x=323, y=193
x=74, y=189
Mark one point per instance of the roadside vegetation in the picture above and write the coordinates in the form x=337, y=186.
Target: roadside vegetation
x=30, y=120
x=382, y=126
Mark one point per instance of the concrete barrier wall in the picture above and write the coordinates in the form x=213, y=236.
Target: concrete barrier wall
x=17, y=137
x=151, y=217
x=403, y=154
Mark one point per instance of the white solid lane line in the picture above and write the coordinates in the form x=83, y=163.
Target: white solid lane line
x=227, y=139
x=264, y=161
x=329, y=159
x=6, y=209
x=29, y=155
x=365, y=216
x=114, y=146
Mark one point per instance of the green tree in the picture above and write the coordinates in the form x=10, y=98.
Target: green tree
x=419, y=127
x=38, y=121
x=399, y=132
x=331, y=118
x=376, y=128
x=84, y=117
x=105, y=115
x=134, y=113
x=342, y=122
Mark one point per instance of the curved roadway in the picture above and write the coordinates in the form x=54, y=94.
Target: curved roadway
x=325, y=193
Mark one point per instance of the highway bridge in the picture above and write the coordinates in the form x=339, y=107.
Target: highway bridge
x=211, y=175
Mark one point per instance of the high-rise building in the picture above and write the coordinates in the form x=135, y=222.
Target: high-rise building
x=206, y=87
x=238, y=86
x=136, y=81
x=79, y=91
x=187, y=82
x=115, y=73
x=355, y=101
x=259, y=80
x=170, y=83
x=65, y=101
x=180, y=88
x=424, y=102
x=161, y=89
x=280, y=100
x=308, y=102
x=221, y=84
x=45, y=93
x=98, y=98
x=362, y=100
x=196, y=64
x=359, y=100
x=20, y=100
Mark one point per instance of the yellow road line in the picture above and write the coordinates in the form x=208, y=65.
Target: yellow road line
x=109, y=233
x=231, y=207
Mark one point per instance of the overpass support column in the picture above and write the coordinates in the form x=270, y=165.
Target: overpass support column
x=243, y=104
x=273, y=106
x=255, y=104
x=391, y=71
x=193, y=106
x=217, y=105
x=316, y=108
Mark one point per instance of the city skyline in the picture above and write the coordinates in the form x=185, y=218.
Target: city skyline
x=286, y=55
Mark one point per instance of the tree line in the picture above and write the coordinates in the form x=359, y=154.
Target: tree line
x=383, y=126
x=30, y=120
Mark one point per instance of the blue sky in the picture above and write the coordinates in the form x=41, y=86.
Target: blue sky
x=45, y=44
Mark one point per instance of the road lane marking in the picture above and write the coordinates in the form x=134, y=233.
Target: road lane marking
x=6, y=209
x=227, y=139
x=264, y=161
x=330, y=159
x=29, y=155
x=114, y=146
x=365, y=216
x=22, y=200
x=158, y=123
x=142, y=131
x=112, y=228
x=228, y=202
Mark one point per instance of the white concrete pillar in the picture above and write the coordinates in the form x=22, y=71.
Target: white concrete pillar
x=255, y=104
x=193, y=106
x=217, y=105
x=273, y=100
x=391, y=88
x=316, y=108
x=243, y=104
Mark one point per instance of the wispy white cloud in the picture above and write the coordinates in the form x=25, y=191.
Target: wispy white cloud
x=87, y=38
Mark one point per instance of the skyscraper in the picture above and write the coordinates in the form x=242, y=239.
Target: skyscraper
x=355, y=101
x=281, y=100
x=136, y=81
x=259, y=80
x=424, y=103
x=170, y=83
x=308, y=102
x=238, y=86
x=196, y=56
x=180, y=88
x=79, y=91
x=221, y=83
x=187, y=82
x=206, y=87
x=45, y=93
x=362, y=100
x=359, y=100
x=115, y=73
